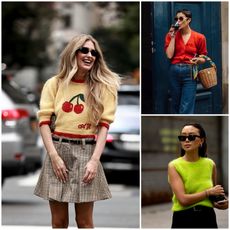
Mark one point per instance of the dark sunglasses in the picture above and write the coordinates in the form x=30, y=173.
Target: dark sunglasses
x=190, y=137
x=86, y=50
x=180, y=19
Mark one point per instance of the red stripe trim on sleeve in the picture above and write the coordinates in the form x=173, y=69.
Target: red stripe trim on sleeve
x=44, y=123
x=104, y=124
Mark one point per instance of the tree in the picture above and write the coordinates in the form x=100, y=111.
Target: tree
x=121, y=42
x=26, y=32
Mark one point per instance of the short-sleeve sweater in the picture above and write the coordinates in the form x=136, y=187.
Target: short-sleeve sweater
x=72, y=113
x=196, y=177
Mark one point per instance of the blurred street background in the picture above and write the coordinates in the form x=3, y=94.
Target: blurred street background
x=33, y=36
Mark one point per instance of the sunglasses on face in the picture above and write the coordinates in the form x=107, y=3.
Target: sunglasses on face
x=86, y=50
x=179, y=18
x=190, y=137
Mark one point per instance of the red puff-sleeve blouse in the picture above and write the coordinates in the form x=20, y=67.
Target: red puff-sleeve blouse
x=196, y=45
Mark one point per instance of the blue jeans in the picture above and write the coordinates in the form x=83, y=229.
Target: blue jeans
x=182, y=88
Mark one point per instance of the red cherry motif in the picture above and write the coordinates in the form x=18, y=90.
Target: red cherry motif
x=67, y=106
x=78, y=108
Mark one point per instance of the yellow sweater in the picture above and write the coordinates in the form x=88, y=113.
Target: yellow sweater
x=72, y=113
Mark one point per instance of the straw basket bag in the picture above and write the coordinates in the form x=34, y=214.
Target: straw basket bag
x=208, y=76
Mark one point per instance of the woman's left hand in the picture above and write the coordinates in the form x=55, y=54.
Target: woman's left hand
x=90, y=171
x=221, y=204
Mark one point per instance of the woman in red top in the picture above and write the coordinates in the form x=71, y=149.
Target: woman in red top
x=183, y=46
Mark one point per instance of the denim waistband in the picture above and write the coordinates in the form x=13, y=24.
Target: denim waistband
x=183, y=64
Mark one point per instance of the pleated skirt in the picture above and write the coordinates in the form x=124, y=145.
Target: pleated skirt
x=75, y=158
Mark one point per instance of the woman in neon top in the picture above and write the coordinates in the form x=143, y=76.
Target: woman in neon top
x=192, y=178
x=83, y=96
x=182, y=46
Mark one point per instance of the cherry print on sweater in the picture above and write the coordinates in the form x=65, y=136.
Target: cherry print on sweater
x=67, y=106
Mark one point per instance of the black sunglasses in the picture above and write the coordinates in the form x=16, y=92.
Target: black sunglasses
x=190, y=137
x=86, y=50
x=180, y=19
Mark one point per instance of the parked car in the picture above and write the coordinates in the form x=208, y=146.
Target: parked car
x=21, y=153
x=121, y=155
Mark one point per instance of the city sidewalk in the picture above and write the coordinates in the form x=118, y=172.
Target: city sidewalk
x=160, y=216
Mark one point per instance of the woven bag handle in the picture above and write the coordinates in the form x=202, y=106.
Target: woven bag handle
x=209, y=60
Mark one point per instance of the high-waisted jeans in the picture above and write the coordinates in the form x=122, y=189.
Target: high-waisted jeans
x=182, y=89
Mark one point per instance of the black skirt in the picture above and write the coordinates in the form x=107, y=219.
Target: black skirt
x=195, y=217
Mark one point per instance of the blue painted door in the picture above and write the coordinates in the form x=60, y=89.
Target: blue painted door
x=155, y=85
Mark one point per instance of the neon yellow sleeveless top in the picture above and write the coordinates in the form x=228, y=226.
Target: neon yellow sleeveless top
x=197, y=177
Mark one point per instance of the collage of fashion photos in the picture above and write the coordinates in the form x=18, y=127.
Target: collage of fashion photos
x=125, y=103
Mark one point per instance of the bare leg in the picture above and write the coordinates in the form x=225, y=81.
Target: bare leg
x=60, y=214
x=84, y=215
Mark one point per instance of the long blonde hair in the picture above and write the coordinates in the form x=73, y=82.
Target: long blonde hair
x=99, y=77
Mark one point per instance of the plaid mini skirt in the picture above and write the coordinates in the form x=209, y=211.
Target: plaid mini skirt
x=75, y=157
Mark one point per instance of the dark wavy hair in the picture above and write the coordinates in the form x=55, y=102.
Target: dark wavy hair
x=202, y=151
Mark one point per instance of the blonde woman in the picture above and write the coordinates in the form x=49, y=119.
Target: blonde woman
x=83, y=97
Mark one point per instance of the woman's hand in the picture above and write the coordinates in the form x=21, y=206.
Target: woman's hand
x=58, y=165
x=90, y=171
x=215, y=191
x=59, y=168
x=92, y=165
x=172, y=32
x=223, y=204
x=197, y=60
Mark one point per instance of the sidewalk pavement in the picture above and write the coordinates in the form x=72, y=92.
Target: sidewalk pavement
x=160, y=216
